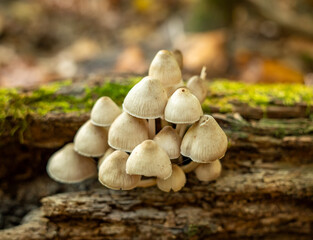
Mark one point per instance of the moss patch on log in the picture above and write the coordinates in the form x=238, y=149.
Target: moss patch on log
x=224, y=94
x=17, y=105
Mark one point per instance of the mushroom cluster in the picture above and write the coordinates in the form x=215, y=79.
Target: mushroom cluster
x=160, y=134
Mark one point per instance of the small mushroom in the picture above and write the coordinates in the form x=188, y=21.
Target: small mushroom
x=67, y=166
x=165, y=68
x=182, y=108
x=105, y=155
x=126, y=132
x=170, y=141
x=150, y=160
x=112, y=173
x=175, y=182
x=147, y=100
x=205, y=141
x=178, y=57
x=198, y=87
x=104, y=112
x=91, y=140
x=209, y=171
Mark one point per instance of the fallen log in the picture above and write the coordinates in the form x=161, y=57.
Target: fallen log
x=270, y=202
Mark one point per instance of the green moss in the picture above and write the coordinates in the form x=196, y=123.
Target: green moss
x=17, y=105
x=224, y=94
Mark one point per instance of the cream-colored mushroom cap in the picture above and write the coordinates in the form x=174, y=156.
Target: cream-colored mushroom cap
x=91, y=140
x=170, y=90
x=105, y=155
x=205, y=141
x=183, y=107
x=67, y=166
x=126, y=132
x=179, y=58
x=147, y=99
x=104, y=112
x=112, y=172
x=175, y=182
x=165, y=68
x=198, y=87
x=149, y=159
x=170, y=141
x=209, y=171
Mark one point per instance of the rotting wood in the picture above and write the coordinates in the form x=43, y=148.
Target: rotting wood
x=267, y=202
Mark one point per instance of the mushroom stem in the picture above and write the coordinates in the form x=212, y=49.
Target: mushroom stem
x=190, y=167
x=151, y=128
x=181, y=128
x=147, y=183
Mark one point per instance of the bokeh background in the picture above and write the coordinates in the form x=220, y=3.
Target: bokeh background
x=248, y=40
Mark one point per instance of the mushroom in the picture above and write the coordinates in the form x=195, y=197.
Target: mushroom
x=147, y=100
x=112, y=173
x=91, y=140
x=107, y=153
x=104, y=112
x=126, y=132
x=178, y=57
x=209, y=171
x=175, y=182
x=182, y=108
x=170, y=141
x=150, y=160
x=67, y=166
x=165, y=68
x=205, y=141
x=170, y=90
x=198, y=87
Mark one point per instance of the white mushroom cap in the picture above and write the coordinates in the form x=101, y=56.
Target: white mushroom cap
x=205, y=141
x=179, y=58
x=209, y=171
x=147, y=99
x=126, y=132
x=183, y=107
x=198, y=87
x=104, y=112
x=165, y=68
x=170, y=90
x=105, y=155
x=112, y=172
x=176, y=181
x=149, y=159
x=170, y=141
x=67, y=166
x=91, y=140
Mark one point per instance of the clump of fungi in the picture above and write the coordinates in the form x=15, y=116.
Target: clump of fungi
x=160, y=134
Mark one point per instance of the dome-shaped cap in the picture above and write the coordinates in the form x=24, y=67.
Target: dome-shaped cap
x=91, y=140
x=105, y=155
x=149, y=159
x=170, y=90
x=67, y=166
x=198, y=87
x=165, y=68
x=126, y=132
x=205, y=141
x=104, y=112
x=112, y=172
x=175, y=182
x=183, y=107
x=179, y=58
x=170, y=141
x=209, y=171
x=147, y=99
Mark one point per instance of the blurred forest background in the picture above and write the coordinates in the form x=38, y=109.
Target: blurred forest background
x=248, y=40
